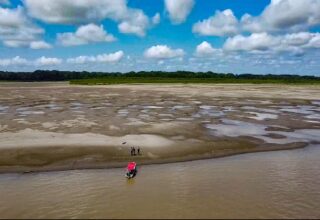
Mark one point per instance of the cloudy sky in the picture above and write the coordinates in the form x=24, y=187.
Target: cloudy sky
x=239, y=36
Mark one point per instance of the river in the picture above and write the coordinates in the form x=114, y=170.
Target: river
x=280, y=184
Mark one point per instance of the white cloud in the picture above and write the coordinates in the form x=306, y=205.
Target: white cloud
x=257, y=41
x=12, y=17
x=163, y=52
x=295, y=43
x=16, y=30
x=137, y=24
x=13, y=61
x=205, y=49
x=15, y=43
x=72, y=11
x=314, y=42
x=85, y=34
x=160, y=62
x=251, y=24
x=101, y=58
x=220, y=24
x=156, y=19
x=47, y=61
x=290, y=13
x=110, y=58
x=53, y=61
x=131, y=21
x=281, y=15
x=179, y=9
x=39, y=45
x=81, y=59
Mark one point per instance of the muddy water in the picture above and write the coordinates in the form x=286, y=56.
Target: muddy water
x=283, y=184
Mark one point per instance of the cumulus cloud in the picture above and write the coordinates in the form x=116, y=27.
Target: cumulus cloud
x=163, y=52
x=47, y=61
x=296, y=43
x=131, y=21
x=280, y=15
x=110, y=58
x=314, y=42
x=53, y=61
x=156, y=19
x=290, y=13
x=81, y=59
x=42, y=61
x=137, y=24
x=85, y=34
x=222, y=23
x=257, y=41
x=74, y=12
x=16, y=30
x=39, y=45
x=15, y=43
x=205, y=49
x=101, y=58
x=178, y=9
x=13, y=61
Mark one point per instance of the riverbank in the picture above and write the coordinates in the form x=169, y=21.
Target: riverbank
x=56, y=126
x=34, y=151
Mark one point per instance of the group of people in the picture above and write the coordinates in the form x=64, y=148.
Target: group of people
x=133, y=151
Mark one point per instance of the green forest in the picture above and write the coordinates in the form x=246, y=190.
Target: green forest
x=92, y=78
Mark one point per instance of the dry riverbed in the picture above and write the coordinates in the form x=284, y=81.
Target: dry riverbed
x=56, y=126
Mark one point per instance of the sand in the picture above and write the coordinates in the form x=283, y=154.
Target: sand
x=56, y=126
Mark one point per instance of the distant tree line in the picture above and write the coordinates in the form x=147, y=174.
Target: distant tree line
x=54, y=75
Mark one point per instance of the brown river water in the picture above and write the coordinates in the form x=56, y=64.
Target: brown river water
x=280, y=184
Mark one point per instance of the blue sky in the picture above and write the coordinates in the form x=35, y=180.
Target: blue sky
x=239, y=36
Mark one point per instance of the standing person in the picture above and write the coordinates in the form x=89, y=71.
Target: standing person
x=131, y=152
x=138, y=150
x=134, y=151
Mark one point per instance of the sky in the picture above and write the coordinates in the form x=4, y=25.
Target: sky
x=237, y=36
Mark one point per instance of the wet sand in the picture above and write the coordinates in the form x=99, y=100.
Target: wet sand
x=56, y=126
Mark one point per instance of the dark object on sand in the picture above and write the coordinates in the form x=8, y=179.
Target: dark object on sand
x=124, y=142
x=133, y=151
x=138, y=150
x=131, y=170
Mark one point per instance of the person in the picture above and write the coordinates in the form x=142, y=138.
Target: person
x=131, y=152
x=138, y=150
x=134, y=151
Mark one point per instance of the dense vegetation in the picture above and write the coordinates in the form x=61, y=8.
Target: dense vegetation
x=91, y=78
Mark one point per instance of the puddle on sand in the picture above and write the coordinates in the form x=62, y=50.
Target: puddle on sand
x=252, y=108
x=316, y=103
x=3, y=108
x=262, y=116
x=25, y=111
x=180, y=107
x=313, y=116
x=76, y=105
x=301, y=109
x=123, y=112
x=185, y=119
x=234, y=128
x=152, y=107
x=229, y=109
x=32, y=113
